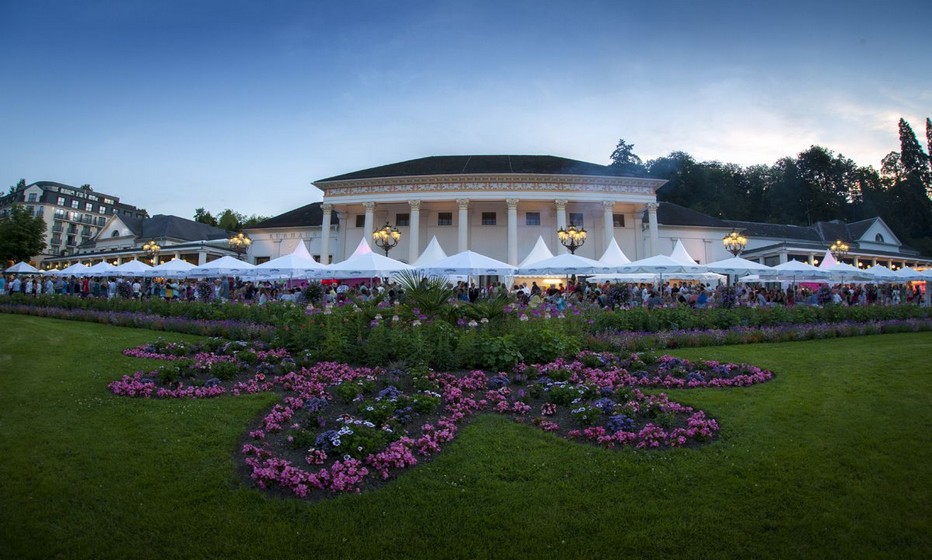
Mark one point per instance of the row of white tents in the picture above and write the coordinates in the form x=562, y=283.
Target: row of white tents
x=541, y=262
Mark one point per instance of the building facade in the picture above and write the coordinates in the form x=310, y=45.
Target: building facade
x=72, y=215
x=499, y=206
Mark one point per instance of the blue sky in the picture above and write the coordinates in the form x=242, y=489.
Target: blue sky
x=174, y=105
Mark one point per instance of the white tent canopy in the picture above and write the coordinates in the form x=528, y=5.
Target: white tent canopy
x=103, y=268
x=680, y=254
x=907, y=274
x=224, y=266
x=22, y=268
x=537, y=254
x=175, y=268
x=659, y=264
x=298, y=263
x=613, y=256
x=843, y=272
x=468, y=263
x=736, y=265
x=564, y=263
x=74, y=270
x=132, y=268
x=794, y=271
x=363, y=263
x=879, y=273
x=433, y=253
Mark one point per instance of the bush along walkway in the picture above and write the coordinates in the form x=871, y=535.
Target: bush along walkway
x=341, y=429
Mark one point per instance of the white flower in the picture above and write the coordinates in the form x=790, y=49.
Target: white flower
x=415, y=323
x=523, y=317
x=378, y=317
x=484, y=320
x=395, y=318
x=473, y=324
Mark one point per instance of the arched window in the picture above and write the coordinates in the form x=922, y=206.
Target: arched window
x=116, y=233
x=878, y=238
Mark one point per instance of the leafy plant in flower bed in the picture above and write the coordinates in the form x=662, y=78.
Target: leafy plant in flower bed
x=340, y=428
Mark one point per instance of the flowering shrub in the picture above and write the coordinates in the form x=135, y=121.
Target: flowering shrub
x=338, y=426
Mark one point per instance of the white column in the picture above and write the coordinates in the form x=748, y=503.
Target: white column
x=512, y=231
x=201, y=258
x=608, y=211
x=414, y=230
x=654, y=231
x=561, y=221
x=368, y=228
x=327, y=209
x=463, y=222
x=638, y=236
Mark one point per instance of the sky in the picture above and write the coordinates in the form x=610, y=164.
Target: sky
x=177, y=105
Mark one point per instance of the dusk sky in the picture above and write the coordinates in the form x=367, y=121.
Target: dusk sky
x=242, y=104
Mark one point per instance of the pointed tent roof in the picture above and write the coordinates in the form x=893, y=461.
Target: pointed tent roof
x=736, y=265
x=175, y=268
x=296, y=263
x=828, y=260
x=133, y=267
x=660, y=264
x=537, y=254
x=362, y=248
x=433, y=253
x=224, y=266
x=565, y=263
x=103, y=268
x=680, y=254
x=613, y=255
x=73, y=270
x=469, y=263
x=22, y=268
x=794, y=270
x=364, y=264
x=880, y=273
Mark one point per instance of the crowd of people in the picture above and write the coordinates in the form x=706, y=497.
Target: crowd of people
x=574, y=293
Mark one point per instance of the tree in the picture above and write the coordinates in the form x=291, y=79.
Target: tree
x=22, y=235
x=929, y=138
x=625, y=160
x=86, y=187
x=915, y=161
x=203, y=216
x=891, y=169
x=230, y=220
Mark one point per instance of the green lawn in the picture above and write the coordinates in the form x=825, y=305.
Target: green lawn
x=832, y=459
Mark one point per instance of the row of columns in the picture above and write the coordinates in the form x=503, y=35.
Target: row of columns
x=463, y=225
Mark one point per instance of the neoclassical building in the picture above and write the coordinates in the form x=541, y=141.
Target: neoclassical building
x=494, y=205
x=499, y=206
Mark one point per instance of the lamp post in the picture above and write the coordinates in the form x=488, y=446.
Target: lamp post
x=152, y=249
x=734, y=242
x=839, y=250
x=572, y=237
x=240, y=243
x=386, y=237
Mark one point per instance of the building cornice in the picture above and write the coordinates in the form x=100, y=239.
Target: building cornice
x=489, y=183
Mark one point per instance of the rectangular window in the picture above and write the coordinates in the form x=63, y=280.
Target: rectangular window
x=576, y=219
x=101, y=220
x=71, y=242
x=88, y=207
x=59, y=214
x=402, y=220
x=361, y=220
x=40, y=211
x=32, y=197
x=444, y=218
x=103, y=210
x=532, y=219
x=488, y=218
x=108, y=200
x=74, y=203
x=61, y=201
x=56, y=239
x=618, y=220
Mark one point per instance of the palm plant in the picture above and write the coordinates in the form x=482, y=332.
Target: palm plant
x=431, y=294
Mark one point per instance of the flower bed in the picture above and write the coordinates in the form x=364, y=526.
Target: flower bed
x=341, y=429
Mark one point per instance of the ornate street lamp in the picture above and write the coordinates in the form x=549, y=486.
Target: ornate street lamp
x=839, y=250
x=572, y=237
x=734, y=242
x=152, y=249
x=386, y=237
x=240, y=243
